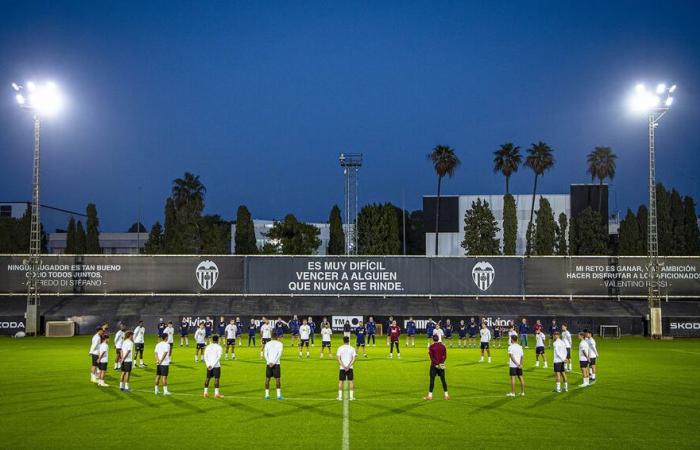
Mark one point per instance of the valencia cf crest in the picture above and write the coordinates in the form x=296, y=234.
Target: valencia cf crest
x=483, y=275
x=207, y=273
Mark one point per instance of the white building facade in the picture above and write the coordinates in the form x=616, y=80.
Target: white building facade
x=452, y=219
x=263, y=227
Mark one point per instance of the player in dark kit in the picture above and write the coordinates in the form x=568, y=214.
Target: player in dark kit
x=279, y=328
x=394, y=333
x=438, y=356
x=387, y=325
x=472, y=330
x=208, y=329
x=239, y=331
x=160, y=327
x=294, y=325
x=371, y=331
x=252, y=331
x=184, y=332
x=429, y=328
x=462, y=331
x=360, y=333
x=312, y=325
x=221, y=327
x=448, y=332
x=553, y=328
x=411, y=332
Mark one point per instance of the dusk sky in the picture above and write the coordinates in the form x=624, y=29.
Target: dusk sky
x=259, y=99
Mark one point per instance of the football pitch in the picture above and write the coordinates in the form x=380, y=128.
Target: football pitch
x=646, y=396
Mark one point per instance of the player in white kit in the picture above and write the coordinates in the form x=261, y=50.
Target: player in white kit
x=540, y=338
x=231, y=330
x=559, y=349
x=566, y=337
x=485, y=334
x=304, y=336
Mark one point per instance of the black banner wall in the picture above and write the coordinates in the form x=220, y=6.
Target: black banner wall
x=681, y=326
x=609, y=277
x=10, y=325
x=116, y=274
x=384, y=276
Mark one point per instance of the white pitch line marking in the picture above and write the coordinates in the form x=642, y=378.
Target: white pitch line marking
x=346, y=420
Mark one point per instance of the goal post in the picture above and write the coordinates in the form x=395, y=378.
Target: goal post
x=610, y=331
x=60, y=328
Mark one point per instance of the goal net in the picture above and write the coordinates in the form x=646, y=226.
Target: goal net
x=62, y=328
x=610, y=331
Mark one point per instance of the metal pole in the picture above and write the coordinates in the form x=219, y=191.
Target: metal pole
x=403, y=218
x=33, y=297
x=654, y=294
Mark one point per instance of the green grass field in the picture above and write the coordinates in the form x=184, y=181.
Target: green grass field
x=646, y=397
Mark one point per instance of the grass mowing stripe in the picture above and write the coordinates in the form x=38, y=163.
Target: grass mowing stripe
x=346, y=419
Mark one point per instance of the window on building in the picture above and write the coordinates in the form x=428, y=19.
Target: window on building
x=5, y=210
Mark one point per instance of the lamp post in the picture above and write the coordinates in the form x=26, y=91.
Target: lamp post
x=655, y=104
x=41, y=101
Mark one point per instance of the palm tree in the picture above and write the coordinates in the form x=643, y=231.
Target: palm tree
x=601, y=165
x=189, y=191
x=444, y=161
x=539, y=159
x=507, y=161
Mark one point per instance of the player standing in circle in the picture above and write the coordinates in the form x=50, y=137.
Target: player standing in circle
x=523, y=329
x=304, y=335
x=560, y=362
x=200, y=339
x=170, y=329
x=497, y=332
x=160, y=327
x=387, y=325
x=239, y=331
x=139, y=342
x=472, y=330
x=583, y=358
x=410, y=333
x=231, y=330
x=102, y=360
x=540, y=339
x=429, y=328
x=566, y=337
x=394, y=333
x=118, y=340
x=212, y=359
x=127, y=357
x=312, y=328
x=485, y=337
x=326, y=333
x=346, y=356
x=462, y=331
x=208, y=329
x=265, y=335
x=438, y=331
x=252, y=331
x=538, y=326
x=279, y=328
x=184, y=331
x=371, y=331
x=593, y=353
x=516, y=357
x=553, y=328
x=448, y=333
x=511, y=333
x=162, y=354
x=273, y=354
x=347, y=329
x=438, y=356
x=221, y=327
x=94, y=353
x=294, y=330
x=360, y=333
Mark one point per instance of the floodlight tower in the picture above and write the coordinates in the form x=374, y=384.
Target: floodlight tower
x=41, y=100
x=655, y=104
x=351, y=163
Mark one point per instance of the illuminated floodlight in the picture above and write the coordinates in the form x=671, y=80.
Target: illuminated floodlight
x=44, y=99
x=644, y=100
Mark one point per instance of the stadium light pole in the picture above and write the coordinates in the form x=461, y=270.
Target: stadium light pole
x=655, y=104
x=41, y=100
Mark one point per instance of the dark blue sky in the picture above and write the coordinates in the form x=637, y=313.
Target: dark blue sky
x=259, y=98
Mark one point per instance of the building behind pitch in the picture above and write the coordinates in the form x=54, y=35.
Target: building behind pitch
x=262, y=228
x=454, y=207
